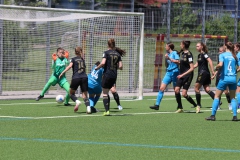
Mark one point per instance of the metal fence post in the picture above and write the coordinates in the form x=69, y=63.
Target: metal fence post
x=236, y=22
x=1, y=51
x=168, y=20
x=203, y=20
x=132, y=5
x=92, y=6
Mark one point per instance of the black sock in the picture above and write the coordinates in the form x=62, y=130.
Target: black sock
x=228, y=98
x=198, y=98
x=73, y=97
x=211, y=94
x=190, y=100
x=179, y=101
x=108, y=98
x=116, y=97
x=86, y=102
x=106, y=103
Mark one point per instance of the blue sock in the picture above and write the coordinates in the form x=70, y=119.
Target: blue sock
x=159, y=97
x=91, y=100
x=96, y=100
x=215, y=106
x=234, y=107
x=238, y=98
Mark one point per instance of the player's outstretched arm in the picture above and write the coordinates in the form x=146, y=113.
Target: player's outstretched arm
x=101, y=64
x=66, y=69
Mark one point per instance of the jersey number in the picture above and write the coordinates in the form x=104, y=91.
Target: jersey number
x=95, y=74
x=229, y=66
x=81, y=66
x=114, y=60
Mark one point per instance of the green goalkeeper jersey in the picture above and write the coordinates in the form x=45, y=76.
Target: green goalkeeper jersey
x=59, y=66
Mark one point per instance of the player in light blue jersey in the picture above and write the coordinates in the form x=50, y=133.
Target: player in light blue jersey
x=228, y=78
x=217, y=74
x=94, y=86
x=171, y=74
x=237, y=50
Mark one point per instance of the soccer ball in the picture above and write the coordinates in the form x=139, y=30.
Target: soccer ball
x=60, y=99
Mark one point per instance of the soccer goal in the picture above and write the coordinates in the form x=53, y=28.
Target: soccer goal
x=30, y=35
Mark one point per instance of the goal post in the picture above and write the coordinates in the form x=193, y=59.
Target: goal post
x=29, y=35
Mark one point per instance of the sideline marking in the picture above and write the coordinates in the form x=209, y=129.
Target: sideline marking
x=122, y=144
x=100, y=115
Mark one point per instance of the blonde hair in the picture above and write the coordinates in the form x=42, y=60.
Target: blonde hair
x=78, y=51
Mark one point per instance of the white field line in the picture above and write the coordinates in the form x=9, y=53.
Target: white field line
x=42, y=103
x=98, y=115
x=169, y=99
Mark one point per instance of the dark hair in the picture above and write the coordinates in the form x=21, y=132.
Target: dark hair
x=204, y=49
x=186, y=44
x=237, y=45
x=59, y=48
x=170, y=45
x=78, y=51
x=97, y=63
x=230, y=46
x=111, y=44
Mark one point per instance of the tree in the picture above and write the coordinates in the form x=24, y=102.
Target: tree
x=183, y=19
x=220, y=25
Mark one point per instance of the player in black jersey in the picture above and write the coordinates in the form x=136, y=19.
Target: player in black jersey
x=112, y=62
x=185, y=77
x=217, y=74
x=204, y=75
x=79, y=78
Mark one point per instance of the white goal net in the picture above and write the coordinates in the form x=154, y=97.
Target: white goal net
x=29, y=36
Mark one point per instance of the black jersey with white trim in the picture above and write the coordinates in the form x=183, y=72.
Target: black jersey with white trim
x=78, y=68
x=185, y=60
x=111, y=65
x=203, y=63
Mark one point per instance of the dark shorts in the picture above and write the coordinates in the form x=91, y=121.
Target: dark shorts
x=217, y=80
x=82, y=82
x=185, y=82
x=204, y=78
x=107, y=82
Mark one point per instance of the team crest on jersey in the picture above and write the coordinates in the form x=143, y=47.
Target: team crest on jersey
x=206, y=56
x=190, y=59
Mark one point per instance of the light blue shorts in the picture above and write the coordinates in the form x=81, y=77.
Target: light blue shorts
x=222, y=85
x=95, y=90
x=170, y=77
